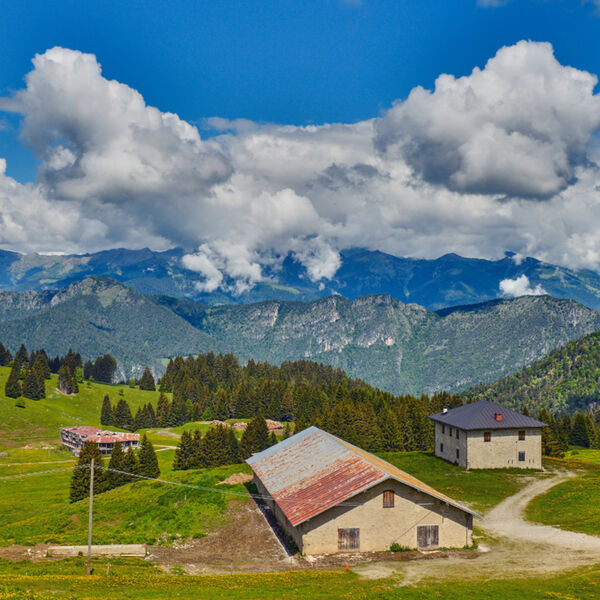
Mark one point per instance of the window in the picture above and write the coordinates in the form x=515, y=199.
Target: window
x=521, y=436
x=457, y=453
x=428, y=536
x=349, y=539
x=443, y=429
x=450, y=432
x=521, y=456
x=487, y=436
x=457, y=434
x=441, y=447
x=388, y=499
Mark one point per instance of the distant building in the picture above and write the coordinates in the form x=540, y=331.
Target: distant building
x=330, y=496
x=486, y=435
x=74, y=438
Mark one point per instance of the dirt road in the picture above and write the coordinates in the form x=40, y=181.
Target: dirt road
x=516, y=548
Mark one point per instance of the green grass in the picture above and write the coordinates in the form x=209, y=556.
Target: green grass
x=571, y=505
x=133, y=579
x=481, y=489
x=40, y=421
x=586, y=454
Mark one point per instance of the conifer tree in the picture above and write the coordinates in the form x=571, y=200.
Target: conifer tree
x=579, y=431
x=147, y=459
x=80, y=480
x=5, y=356
x=130, y=464
x=117, y=462
x=234, y=448
x=12, y=389
x=184, y=453
x=41, y=366
x=106, y=415
x=147, y=381
x=74, y=384
x=272, y=438
x=65, y=380
x=256, y=436
x=163, y=411
x=22, y=356
x=122, y=415
x=31, y=386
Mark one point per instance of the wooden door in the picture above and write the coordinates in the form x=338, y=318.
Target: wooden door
x=349, y=539
x=428, y=536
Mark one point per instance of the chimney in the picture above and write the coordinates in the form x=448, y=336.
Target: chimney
x=444, y=410
x=498, y=416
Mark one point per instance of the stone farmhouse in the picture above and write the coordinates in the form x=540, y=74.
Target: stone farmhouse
x=330, y=496
x=74, y=438
x=486, y=435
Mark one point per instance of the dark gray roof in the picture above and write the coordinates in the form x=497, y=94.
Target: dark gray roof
x=482, y=415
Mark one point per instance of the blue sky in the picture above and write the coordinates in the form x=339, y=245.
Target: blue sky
x=287, y=62
x=245, y=131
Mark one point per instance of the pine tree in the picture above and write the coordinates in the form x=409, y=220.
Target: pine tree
x=31, y=386
x=163, y=411
x=122, y=415
x=117, y=462
x=80, y=481
x=65, y=380
x=272, y=438
x=41, y=366
x=184, y=453
x=147, y=381
x=22, y=356
x=148, y=460
x=579, y=431
x=130, y=464
x=256, y=436
x=5, y=356
x=106, y=415
x=12, y=389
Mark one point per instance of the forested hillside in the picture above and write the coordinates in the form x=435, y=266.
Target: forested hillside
x=565, y=380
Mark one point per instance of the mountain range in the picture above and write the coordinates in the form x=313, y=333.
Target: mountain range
x=450, y=280
x=404, y=348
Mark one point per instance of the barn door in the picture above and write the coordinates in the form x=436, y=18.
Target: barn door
x=428, y=536
x=349, y=539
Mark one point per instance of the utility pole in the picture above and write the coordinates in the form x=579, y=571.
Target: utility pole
x=89, y=555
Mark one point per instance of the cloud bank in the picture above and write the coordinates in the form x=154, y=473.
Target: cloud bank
x=504, y=158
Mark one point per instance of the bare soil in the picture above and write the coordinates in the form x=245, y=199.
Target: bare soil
x=236, y=478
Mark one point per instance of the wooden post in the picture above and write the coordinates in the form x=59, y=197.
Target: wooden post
x=89, y=554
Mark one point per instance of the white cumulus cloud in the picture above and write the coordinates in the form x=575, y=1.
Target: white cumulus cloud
x=520, y=286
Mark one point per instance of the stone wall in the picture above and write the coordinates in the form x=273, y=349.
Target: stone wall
x=451, y=444
x=502, y=451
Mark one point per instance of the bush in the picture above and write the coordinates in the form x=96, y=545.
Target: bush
x=398, y=548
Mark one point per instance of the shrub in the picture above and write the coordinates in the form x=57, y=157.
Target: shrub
x=398, y=548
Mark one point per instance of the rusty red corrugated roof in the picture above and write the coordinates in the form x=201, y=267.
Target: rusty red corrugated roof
x=313, y=471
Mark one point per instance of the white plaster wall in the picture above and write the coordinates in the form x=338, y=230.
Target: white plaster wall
x=503, y=449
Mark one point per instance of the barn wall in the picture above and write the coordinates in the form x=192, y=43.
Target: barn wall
x=287, y=527
x=381, y=527
x=451, y=444
x=503, y=449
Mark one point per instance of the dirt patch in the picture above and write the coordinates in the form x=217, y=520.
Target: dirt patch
x=244, y=544
x=17, y=553
x=237, y=478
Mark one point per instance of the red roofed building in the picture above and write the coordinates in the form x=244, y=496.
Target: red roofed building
x=75, y=437
x=330, y=496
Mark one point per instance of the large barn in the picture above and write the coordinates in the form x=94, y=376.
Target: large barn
x=330, y=496
x=486, y=435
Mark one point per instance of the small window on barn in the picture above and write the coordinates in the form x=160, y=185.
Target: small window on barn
x=487, y=436
x=443, y=429
x=457, y=453
x=450, y=432
x=388, y=499
x=441, y=447
x=349, y=539
x=521, y=456
x=521, y=435
x=457, y=434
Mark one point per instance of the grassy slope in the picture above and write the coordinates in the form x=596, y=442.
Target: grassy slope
x=131, y=579
x=573, y=504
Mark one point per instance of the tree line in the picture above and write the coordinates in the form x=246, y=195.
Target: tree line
x=125, y=465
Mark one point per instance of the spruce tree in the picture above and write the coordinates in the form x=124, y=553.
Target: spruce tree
x=12, y=389
x=31, y=386
x=272, y=438
x=256, y=436
x=106, y=415
x=22, y=356
x=122, y=415
x=80, y=480
x=148, y=460
x=184, y=452
x=130, y=464
x=163, y=411
x=117, y=462
x=147, y=381
x=5, y=356
x=65, y=380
